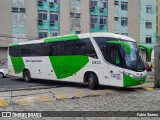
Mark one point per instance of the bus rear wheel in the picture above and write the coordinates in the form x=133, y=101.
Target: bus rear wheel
x=1, y=75
x=92, y=81
x=27, y=76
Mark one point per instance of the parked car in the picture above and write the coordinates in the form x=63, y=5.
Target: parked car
x=148, y=67
x=3, y=73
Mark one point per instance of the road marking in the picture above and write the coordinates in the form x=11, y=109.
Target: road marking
x=3, y=103
x=148, y=88
x=24, y=102
x=79, y=94
x=45, y=99
x=61, y=96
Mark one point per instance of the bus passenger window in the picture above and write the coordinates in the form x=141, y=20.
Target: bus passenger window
x=35, y=49
x=61, y=48
x=69, y=48
x=49, y=49
x=14, y=51
x=25, y=50
x=88, y=48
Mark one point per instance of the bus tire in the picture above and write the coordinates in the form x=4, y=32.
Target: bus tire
x=27, y=76
x=1, y=75
x=92, y=81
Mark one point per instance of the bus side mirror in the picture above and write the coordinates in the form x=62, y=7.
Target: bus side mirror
x=124, y=44
x=146, y=48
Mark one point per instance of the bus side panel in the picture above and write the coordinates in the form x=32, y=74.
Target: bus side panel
x=40, y=67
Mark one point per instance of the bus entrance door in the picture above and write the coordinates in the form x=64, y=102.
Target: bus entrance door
x=115, y=59
x=116, y=76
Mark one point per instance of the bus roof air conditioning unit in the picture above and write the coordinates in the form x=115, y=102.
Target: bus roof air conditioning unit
x=40, y=21
x=51, y=4
x=101, y=26
x=52, y=22
x=92, y=8
x=101, y=9
x=39, y=3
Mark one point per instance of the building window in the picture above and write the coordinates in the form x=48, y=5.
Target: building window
x=94, y=19
x=103, y=20
x=104, y=3
x=149, y=25
x=124, y=21
x=78, y=32
x=75, y=15
x=54, y=33
x=125, y=34
x=149, y=39
x=124, y=5
x=22, y=10
x=116, y=2
x=42, y=34
x=42, y=15
x=14, y=9
x=18, y=10
x=149, y=9
x=54, y=16
x=116, y=18
x=55, y=1
x=93, y=3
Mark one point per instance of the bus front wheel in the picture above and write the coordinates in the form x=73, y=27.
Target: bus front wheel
x=27, y=76
x=92, y=81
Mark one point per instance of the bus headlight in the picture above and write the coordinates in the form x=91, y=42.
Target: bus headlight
x=141, y=82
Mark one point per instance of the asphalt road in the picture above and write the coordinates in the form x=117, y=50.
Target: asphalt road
x=14, y=83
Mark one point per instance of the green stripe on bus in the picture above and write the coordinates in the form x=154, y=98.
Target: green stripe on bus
x=66, y=66
x=61, y=38
x=13, y=44
x=126, y=45
x=130, y=81
x=18, y=64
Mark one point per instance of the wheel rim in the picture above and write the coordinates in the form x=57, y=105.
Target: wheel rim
x=27, y=76
x=90, y=81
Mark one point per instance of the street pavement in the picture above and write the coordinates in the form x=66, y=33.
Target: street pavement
x=120, y=100
x=77, y=97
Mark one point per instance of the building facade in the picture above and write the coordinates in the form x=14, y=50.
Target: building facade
x=158, y=21
x=25, y=20
x=148, y=32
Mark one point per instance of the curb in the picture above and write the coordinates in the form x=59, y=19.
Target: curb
x=27, y=100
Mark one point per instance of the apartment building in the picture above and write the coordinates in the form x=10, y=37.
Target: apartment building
x=25, y=20
x=18, y=23
x=158, y=21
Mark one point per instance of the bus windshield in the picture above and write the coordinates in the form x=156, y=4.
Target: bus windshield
x=133, y=60
x=111, y=52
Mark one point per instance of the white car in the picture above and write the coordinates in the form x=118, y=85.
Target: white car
x=3, y=73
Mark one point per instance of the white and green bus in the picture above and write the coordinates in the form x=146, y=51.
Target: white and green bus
x=93, y=58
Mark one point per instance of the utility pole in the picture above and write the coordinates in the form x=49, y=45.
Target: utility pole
x=157, y=65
